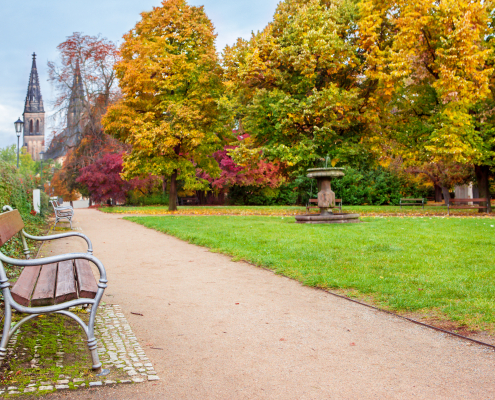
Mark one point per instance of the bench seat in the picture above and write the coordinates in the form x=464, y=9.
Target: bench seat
x=55, y=283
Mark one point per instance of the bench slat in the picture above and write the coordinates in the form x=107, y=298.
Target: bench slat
x=85, y=280
x=23, y=288
x=10, y=224
x=66, y=283
x=45, y=289
x=476, y=200
x=475, y=207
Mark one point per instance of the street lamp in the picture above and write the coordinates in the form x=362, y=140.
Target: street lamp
x=18, y=130
x=42, y=154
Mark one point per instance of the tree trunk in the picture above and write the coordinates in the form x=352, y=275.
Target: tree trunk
x=446, y=195
x=482, y=174
x=90, y=202
x=438, y=194
x=164, y=185
x=172, y=200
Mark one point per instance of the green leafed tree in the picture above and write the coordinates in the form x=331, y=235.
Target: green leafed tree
x=299, y=87
x=170, y=79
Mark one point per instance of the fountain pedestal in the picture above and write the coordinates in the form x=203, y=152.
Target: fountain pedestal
x=326, y=199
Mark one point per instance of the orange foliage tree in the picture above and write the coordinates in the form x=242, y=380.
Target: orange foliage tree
x=170, y=79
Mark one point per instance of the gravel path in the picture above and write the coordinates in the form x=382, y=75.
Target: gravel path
x=217, y=329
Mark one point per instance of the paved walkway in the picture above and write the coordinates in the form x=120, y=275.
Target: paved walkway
x=217, y=329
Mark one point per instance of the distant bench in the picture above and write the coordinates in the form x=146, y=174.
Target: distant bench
x=458, y=204
x=49, y=285
x=315, y=201
x=186, y=201
x=412, y=202
x=61, y=211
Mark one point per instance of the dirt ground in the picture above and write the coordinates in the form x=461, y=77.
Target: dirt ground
x=217, y=329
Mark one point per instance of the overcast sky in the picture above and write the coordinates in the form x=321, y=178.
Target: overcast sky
x=39, y=26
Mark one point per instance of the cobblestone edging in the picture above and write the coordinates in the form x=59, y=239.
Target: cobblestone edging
x=117, y=347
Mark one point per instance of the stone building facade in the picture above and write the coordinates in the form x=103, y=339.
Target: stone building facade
x=34, y=115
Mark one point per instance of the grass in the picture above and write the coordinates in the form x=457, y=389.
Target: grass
x=50, y=338
x=281, y=210
x=46, y=336
x=442, y=268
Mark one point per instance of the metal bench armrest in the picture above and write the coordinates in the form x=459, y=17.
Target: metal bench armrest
x=56, y=259
x=61, y=236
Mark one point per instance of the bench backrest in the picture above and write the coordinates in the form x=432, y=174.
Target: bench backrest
x=10, y=224
x=316, y=200
x=54, y=204
x=476, y=200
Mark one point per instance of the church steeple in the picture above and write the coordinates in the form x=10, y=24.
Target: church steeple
x=34, y=101
x=76, y=106
x=34, y=115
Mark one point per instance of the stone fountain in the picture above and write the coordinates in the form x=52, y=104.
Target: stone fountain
x=326, y=199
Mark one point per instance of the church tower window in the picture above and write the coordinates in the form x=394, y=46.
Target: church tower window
x=37, y=126
x=31, y=126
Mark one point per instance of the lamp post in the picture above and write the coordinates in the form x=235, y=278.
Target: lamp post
x=18, y=130
x=42, y=154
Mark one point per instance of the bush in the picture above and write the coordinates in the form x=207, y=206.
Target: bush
x=370, y=186
x=262, y=196
x=17, y=191
x=156, y=199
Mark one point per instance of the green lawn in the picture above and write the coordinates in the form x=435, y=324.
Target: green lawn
x=280, y=210
x=441, y=267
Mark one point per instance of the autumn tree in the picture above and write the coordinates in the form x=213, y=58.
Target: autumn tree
x=299, y=87
x=170, y=80
x=433, y=72
x=104, y=182
x=444, y=176
x=93, y=57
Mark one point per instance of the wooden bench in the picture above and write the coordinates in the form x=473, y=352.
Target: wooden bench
x=49, y=285
x=186, y=201
x=412, y=202
x=458, y=204
x=338, y=204
x=62, y=212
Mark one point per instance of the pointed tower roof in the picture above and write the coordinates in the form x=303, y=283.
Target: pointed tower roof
x=34, y=101
x=77, y=94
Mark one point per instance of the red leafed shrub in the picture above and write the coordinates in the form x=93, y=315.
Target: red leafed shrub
x=103, y=180
x=263, y=174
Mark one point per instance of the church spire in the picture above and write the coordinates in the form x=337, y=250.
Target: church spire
x=34, y=101
x=76, y=107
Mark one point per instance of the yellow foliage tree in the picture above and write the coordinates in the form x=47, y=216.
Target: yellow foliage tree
x=170, y=79
x=432, y=71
